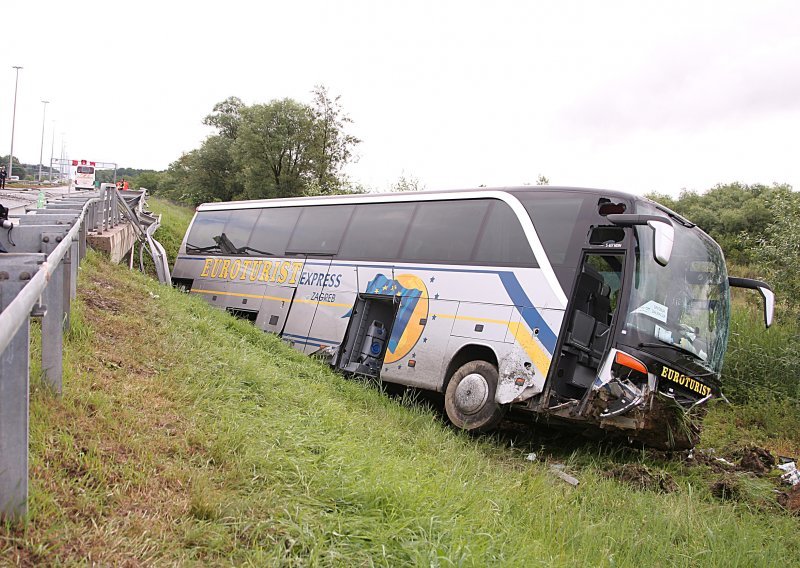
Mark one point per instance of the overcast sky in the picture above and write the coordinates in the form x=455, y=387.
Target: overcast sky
x=638, y=96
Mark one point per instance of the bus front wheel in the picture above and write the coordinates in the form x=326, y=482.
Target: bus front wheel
x=469, y=398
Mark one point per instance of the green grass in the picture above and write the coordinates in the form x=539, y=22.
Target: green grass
x=187, y=437
x=761, y=378
x=761, y=363
x=175, y=220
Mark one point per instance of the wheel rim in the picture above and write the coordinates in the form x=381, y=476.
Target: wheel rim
x=472, y=393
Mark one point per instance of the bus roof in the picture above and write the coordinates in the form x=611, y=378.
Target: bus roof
x=428, y=195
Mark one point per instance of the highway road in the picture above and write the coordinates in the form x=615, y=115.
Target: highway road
x=17, y=199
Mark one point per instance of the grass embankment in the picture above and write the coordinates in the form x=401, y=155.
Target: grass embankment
x=185, y=436
x=175, y=220
x=762, y=367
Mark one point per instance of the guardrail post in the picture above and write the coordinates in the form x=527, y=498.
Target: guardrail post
x=95, y=215
x=67, y=283
x=53, y=320
x=110, y=207
x=115, y=205
x=101, y=213
x=15, y=272
x=88, y=220
x=82, y=233
x=74, y=264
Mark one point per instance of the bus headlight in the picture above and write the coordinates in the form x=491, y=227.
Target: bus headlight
x=623, y=382
x=628, y=367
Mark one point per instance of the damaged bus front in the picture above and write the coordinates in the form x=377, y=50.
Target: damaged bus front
x=652, y=351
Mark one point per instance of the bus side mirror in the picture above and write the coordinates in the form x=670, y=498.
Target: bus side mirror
x=763, y=288
x=663, y=232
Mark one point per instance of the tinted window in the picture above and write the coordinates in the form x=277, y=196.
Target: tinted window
x=562, y=221
x=239, y=226
x=319, y=229
x=376, y=231
x=503, y=241
x=445, y=231
x=206, y=226
x=272, y=230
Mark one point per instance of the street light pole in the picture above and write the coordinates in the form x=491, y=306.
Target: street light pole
x=41, y=146
x=52, y=145
x=61, y=161
x=13, y=122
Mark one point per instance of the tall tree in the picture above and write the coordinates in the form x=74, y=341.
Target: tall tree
x=728, y=212
x=205, y=174
x=331, y=146
x=226, y=117
x=271, y=149
x=283, y=148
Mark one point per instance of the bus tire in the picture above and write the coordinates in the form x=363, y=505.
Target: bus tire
x=469, y=398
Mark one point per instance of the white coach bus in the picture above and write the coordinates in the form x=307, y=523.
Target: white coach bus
x=82, y=174
x=585, y=307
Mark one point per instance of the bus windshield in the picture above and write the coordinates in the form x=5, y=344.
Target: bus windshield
x=684, y=305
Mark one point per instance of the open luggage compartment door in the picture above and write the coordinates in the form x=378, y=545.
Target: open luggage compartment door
x=367, y=333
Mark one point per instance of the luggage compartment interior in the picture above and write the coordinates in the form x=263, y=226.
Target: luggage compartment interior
x=368, y=334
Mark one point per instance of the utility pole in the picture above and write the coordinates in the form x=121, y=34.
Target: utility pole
x=41, y=146
x=13, y=122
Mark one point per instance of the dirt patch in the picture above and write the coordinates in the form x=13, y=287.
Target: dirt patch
x=757, y=460
x=641, y=477
x=790, y=500
x=726, y=488
x=100, y=302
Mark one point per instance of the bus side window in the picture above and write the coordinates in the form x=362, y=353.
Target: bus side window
x=272, y=230
x=320, y=229
x=239, y=226
x=502, y=240
x=445, y=231
x=561, y=219
x=376, y=231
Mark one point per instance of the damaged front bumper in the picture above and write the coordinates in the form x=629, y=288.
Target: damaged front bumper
x=628, y=400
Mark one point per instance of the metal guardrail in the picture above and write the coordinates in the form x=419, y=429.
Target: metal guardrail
x=145, y=226
x=38, y=279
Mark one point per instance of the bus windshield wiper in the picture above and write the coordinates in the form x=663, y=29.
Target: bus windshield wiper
x=226, y=245
x=673, y=346
x=194, y=248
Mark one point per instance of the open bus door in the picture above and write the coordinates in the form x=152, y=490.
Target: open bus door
x=591, y=314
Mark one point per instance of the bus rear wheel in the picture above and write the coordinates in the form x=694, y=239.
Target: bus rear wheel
x=469, y=398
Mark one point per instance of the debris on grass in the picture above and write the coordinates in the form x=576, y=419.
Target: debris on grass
x=791, y=474
x=708, y=458
x=557, y=469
